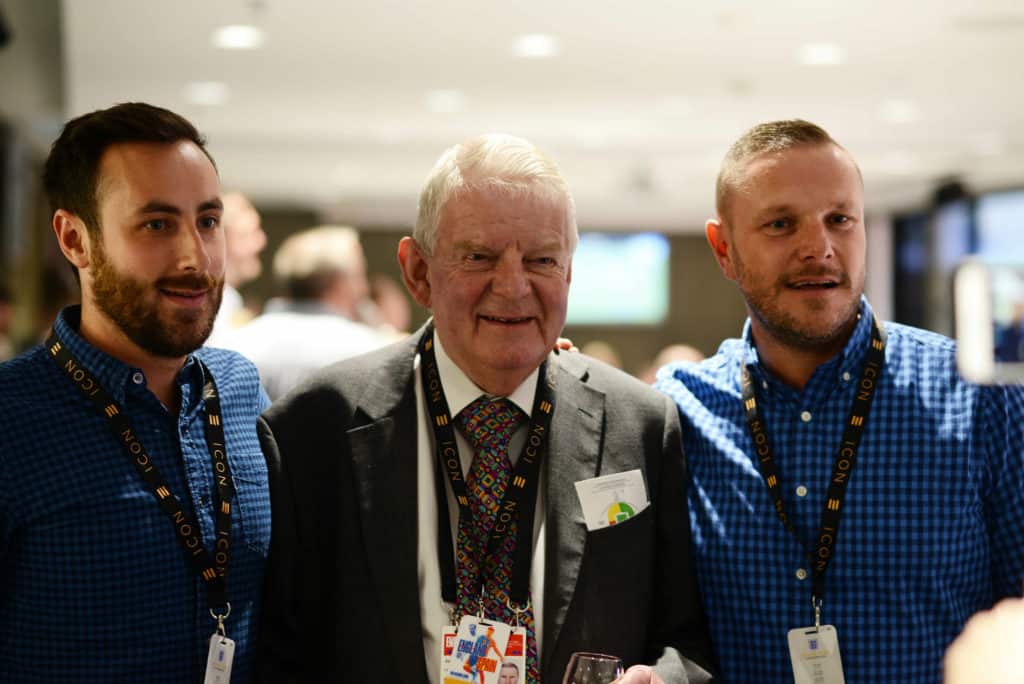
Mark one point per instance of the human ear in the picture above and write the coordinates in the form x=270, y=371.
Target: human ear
x=415, y=270
x=73, y=238
x=717, y=237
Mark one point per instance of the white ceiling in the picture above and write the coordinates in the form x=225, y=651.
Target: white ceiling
x=638, y=108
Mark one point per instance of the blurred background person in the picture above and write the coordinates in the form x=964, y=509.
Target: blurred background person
x=603, y=351
x=243, y=233
x=388, y=307
x=670, y=354
x=323, y=273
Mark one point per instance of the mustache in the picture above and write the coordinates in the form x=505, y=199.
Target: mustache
x=195, y=281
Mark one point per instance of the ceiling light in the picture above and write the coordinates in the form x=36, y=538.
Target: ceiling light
x=821, y=54
x=238, y=37
x=445, y=101
x=207, y=93
x=900, y=112
x=536, y=46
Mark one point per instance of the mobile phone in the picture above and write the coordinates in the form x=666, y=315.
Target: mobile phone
x=988, y=301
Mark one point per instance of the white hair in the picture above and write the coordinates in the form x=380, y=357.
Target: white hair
x=497, y=163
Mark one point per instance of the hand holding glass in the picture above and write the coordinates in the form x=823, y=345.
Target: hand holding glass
x=592, y=668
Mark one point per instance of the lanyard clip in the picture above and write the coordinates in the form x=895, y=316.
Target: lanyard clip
x=221, y=617
x=516, y=610
x=816, y=602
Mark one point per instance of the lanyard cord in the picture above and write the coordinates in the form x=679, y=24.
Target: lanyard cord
x=212, y=569
x=845, y=458
x=520, y=499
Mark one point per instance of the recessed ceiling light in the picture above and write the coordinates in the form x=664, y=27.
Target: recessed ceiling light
x=900, y=112
x=536, y=46
x=445, y=101
x=238, y=37
x=821, y=54
x=206, y=93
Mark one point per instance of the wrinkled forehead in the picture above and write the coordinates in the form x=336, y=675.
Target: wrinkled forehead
x=526, y=208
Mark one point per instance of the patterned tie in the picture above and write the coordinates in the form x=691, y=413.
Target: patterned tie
x=488, y=424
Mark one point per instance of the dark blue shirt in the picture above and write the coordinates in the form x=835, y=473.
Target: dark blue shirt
x=96, y=586
x=932, y=527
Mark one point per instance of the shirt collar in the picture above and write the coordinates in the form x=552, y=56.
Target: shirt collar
x=460, y=391
x=112, y=373
x=847, y=361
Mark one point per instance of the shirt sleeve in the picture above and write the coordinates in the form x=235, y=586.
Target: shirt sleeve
x=1001, y=412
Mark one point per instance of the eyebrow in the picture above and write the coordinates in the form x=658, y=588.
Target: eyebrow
x=786, y=209
x=158, y=207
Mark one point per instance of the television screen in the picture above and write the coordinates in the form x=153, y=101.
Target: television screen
x=619, y=279
x=1000, y=226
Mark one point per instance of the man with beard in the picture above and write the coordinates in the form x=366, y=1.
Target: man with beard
x=134, y=511
x=822, y=414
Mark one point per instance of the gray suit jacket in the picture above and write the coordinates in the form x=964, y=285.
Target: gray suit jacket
x=342, y=601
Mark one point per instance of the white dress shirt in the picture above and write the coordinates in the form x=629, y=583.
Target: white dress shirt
x=460, y=391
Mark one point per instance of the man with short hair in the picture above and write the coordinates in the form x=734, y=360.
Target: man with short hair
x=822, y=414
x=323, y=272
x=134, y=509
x=452, y=476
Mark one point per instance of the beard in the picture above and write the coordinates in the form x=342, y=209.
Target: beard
x=133, y=307
x=825, y=327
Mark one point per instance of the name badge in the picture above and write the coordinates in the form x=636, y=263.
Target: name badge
x=477, y=653
x=218, y=660
x=815, y=655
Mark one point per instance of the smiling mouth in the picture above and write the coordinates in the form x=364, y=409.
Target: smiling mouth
x=184, y=294
x=813, y=285
x=506, y=320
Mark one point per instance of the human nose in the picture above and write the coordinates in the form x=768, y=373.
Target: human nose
x=815, y=241
x=510, y=278
x=193, y=250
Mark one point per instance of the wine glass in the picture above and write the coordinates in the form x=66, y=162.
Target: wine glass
x=592, y=668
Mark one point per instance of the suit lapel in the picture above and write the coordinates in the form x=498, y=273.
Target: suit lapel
x=574, y=455
x=384, y=467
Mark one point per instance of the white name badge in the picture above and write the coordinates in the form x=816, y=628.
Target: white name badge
x=477, y=652
x=815, y=655
x=218, y=661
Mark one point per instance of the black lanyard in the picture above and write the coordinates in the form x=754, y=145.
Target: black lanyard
x=520, y=499
x=212, y=570
x=845, y=459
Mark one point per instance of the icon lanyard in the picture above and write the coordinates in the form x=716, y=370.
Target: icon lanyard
x=519, y=501
x=845, y=459
x=213, y=569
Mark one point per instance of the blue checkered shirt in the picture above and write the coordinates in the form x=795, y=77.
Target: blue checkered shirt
x=933, y=520
x=96, y=586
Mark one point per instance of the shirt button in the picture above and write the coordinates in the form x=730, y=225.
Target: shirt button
x=801, y=574
x=138, y=378
x=764, y=384
x=846, y=377
x=806, y=416
x=801, y=490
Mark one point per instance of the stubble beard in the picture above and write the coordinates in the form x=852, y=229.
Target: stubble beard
x=787, y=328
x=129, y=303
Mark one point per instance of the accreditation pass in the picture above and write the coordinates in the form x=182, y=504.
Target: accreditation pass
x=814, y=653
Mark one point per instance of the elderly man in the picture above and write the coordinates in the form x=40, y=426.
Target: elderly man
x=822, y=415
x=447, y=484
x=134, y=509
